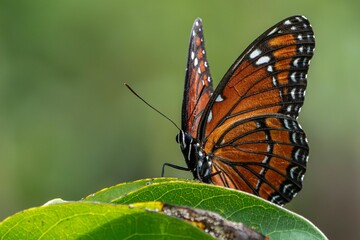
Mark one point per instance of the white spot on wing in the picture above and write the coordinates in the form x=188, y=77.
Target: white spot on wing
x=275, y=199
x=258, y=182
x=192, y=55
x=272, y=31
x=196, y=62
x=302, y=75
x=293, y=169
x=289, y=108
x=296, y=62
x=265, y=160
x=268, y=148
x=270, y=68
x=305, y=62
x=287, y=22
x=274, y=81
x=308, y=50
x=287, y=188
x=297, y=154
x=255, y=53
x=302, y=178
x=219, y=98
x=262, y=60
x=294, y=139
x=301, y=92
x=286, y=123
x=209, y=117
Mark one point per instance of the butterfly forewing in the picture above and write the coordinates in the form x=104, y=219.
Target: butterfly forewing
x=198, y=82
x=249, y=126
x=269, y=77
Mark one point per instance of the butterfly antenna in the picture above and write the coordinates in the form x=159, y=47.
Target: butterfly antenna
x=137, y=95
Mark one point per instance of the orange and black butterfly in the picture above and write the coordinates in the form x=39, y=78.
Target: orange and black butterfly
x=244, y=135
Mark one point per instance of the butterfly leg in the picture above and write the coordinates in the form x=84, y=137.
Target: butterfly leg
x=173, y=166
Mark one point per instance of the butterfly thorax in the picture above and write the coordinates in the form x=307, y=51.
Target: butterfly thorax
x=196, y=159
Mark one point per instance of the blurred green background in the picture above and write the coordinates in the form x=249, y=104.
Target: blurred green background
x=68, y=126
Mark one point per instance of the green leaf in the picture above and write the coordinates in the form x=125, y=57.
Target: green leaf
x=269, y=219
x=102, y=220
x=111, y=193
x=86, y=220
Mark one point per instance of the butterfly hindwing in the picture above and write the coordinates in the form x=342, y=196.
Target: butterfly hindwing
x=198, y=82
x=265, y=155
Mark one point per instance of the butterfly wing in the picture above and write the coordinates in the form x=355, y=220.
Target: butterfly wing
x=198, y=83
x=264, y=154
x=249, y=127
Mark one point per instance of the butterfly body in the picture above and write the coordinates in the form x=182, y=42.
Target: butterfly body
x=196, y=160
x=244, y=135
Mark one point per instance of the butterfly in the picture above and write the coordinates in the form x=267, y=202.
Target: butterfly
x=244, y=134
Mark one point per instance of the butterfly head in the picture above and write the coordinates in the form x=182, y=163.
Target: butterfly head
x=183, y=139
x=189, y=147
x=196, y=159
